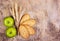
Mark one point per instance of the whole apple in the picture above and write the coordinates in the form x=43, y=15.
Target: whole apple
x=11, y=32
x=8, y=21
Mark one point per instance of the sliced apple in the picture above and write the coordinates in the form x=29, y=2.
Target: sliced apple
x=25, y=17
x=23, y=32
x=30, y=22
x=30, y=29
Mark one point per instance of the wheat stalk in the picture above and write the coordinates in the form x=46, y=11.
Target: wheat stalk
x=15, y=11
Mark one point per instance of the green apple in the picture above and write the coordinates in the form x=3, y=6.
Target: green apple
x=10, y=32
x=8, y=21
